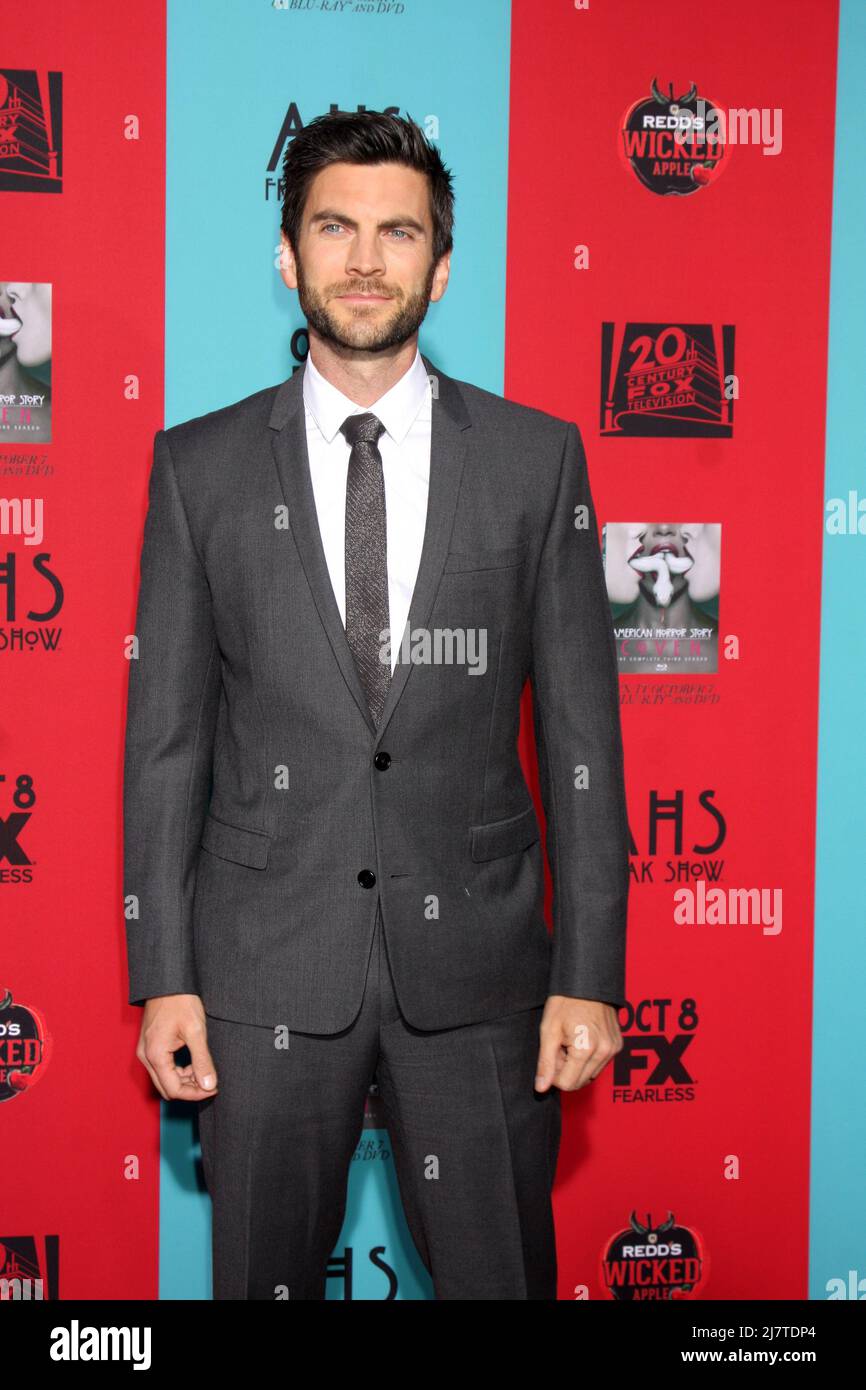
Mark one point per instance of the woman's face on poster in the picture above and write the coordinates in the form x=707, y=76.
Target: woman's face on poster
x=25, y=321
x=661, y=559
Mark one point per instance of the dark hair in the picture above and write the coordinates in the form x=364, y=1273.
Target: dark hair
x=365, y=137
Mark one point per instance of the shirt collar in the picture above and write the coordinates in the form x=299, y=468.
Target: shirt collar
x=398, y=408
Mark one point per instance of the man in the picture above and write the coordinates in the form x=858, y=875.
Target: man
x=330, y=848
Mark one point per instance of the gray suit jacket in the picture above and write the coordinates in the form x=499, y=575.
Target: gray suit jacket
x=264, y=813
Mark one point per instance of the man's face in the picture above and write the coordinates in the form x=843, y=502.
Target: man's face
x=364, y=271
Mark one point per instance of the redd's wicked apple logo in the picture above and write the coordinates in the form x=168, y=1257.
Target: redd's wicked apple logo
x=24, y=1047
x=653, y=1262
x=673, y=379
x=674, y=144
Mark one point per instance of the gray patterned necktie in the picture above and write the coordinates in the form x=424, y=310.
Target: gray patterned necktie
x=367, y=612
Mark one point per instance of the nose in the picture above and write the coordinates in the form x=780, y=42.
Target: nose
x=364, y=258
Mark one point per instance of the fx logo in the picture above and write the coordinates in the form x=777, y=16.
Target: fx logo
x=654, y=1041
x=23, y=799
x=661, y=1057
x=10, y=829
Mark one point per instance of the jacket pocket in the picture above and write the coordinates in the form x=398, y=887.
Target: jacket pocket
x=497, y=838
x=485, y=559
x=250, y=847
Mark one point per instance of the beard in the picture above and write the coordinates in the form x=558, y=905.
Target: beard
x=364, y=332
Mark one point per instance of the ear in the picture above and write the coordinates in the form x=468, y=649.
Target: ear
x=288, y=269
x=440, y=278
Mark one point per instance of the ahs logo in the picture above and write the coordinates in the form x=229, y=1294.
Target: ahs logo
x=293, y=125
x=652, y=1053
x=647, y=1262
x=11, y=580
x=670, y=811
x=342, y=1268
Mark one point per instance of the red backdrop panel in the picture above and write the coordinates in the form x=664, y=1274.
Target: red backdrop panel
x=101, y=245
x=752, y=250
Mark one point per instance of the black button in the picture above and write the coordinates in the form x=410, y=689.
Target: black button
x=366, y=878
x=382, y=761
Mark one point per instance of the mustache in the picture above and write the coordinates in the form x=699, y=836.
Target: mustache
x=365, y=287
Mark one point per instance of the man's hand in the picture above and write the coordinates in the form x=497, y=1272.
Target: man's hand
x=170, y=1021
x=578, y=1039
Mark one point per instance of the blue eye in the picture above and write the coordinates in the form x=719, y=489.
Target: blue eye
x=400, y=230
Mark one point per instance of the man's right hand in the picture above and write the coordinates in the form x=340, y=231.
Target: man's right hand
x=171, y=1021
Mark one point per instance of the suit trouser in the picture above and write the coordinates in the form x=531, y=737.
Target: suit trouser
x=475, y=1148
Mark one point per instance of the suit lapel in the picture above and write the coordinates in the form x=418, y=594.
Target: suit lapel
x=447, y=455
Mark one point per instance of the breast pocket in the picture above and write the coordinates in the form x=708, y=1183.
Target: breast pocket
x=508, y=557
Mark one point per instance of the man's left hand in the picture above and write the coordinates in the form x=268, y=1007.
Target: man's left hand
x=578, y=1039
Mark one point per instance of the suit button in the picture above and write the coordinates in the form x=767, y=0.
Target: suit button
x=382, y=761
x=366, y=878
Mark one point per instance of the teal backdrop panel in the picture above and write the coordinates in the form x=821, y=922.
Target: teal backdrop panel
x=236, y=71
x=837, y=1255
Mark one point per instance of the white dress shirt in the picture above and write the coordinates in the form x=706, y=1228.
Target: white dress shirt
x=406, y=412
